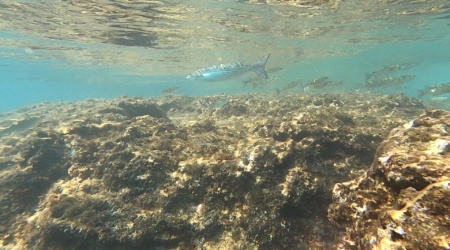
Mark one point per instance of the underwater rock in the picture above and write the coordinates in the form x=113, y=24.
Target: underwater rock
x=403, y=200
x=139, y=107
x=17, y=125
x=232, y=109
x=243, y=171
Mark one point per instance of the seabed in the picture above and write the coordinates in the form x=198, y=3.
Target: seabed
x=333, y=171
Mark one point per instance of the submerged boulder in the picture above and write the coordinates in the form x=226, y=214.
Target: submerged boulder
x=403, y=200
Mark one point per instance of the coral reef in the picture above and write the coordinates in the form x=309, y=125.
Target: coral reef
x=219, y=172
x=403, y=200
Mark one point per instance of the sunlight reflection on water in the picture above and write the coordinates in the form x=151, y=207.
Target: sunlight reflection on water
x=191, y=34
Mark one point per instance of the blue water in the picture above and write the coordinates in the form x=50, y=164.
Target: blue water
x=26, y=79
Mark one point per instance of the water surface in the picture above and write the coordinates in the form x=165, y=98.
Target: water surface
x=73, y=50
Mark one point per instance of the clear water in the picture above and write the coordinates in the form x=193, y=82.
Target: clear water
x=74, y=50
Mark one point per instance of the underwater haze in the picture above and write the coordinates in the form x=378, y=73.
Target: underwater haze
x=74, y=50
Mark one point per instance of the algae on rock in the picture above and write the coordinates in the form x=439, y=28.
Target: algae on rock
x=243, y=171
x=403, y=200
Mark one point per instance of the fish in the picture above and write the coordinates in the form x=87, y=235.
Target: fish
x=169, y=90
x=227, y=71
x=437, y=89
x=318, y=81
x=389, y=81
x=321, y=83
x=401, y=66
x=290, y=86
x=387, y=70
x=327, y=84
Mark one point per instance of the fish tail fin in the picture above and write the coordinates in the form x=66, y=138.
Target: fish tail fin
x=260, y=66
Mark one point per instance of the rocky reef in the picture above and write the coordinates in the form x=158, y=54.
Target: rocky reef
x=224, y=172
x=403, y=200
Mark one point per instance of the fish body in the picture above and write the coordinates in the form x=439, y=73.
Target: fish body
x=389, y=81
x=401, y=66
x=227, y=71
x=319, y=81
x=290, y=86
x=437, y=89
x=387, y=70
x=169, y=90
x=322, y=82
x=327, y=84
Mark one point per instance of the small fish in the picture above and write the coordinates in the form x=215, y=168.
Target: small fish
x=169, y=90
x=290, y=86
x=387, y=70
x=438, y=89
x=328, y=84
x=318, y=81
x=388, y=81
x=227, y=71
x=322, y=82
x=401, y=66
